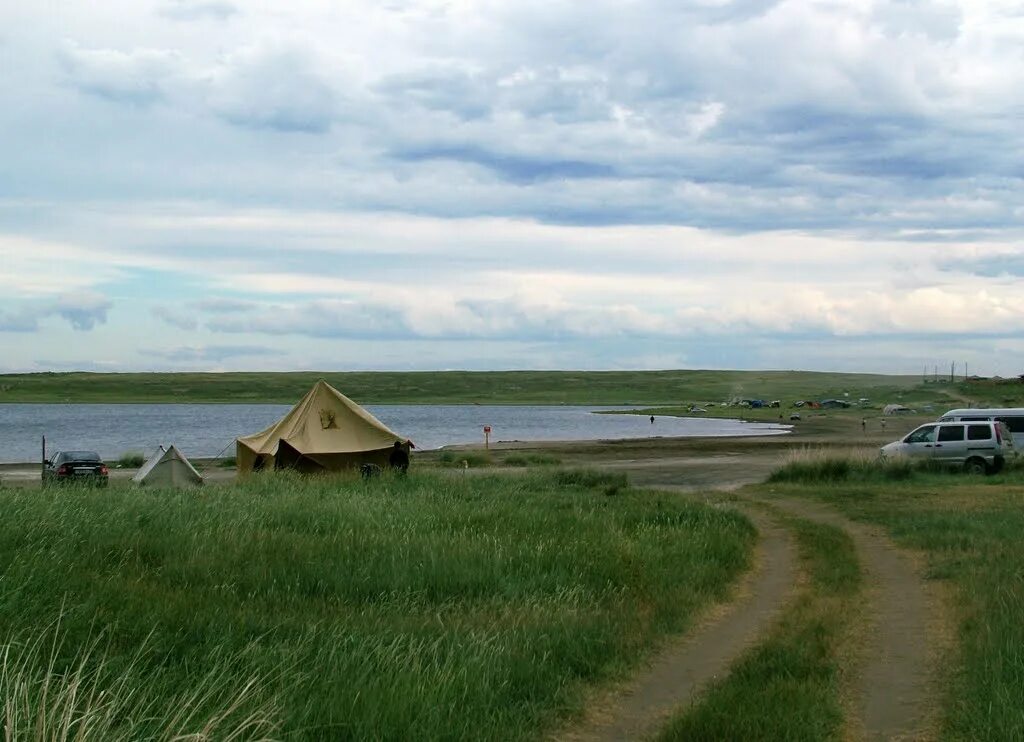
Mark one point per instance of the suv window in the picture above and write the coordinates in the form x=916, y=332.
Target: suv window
x=951, y=433
x=921, y=435
x=979, y=433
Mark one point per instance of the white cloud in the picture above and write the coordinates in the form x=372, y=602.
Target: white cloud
x=512, y=170
x=136, y=76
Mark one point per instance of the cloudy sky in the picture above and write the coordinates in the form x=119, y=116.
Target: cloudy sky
x=424, y=184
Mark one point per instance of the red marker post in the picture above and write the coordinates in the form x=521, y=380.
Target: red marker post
x=487, y=436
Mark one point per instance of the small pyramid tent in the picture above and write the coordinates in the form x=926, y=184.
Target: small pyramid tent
x=325, y=431
x=168, y=468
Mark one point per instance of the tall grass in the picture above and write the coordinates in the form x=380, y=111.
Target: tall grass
x=131, y=460
x=822, y=466
x=429, y=606
x=49, y=691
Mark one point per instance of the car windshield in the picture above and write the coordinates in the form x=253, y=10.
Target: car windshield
x=81, y=456
x=921, y=435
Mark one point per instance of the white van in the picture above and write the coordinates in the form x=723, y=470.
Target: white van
x=980, y=447
x=1012, y=416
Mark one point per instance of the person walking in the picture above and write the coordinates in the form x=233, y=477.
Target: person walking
x=652, y=419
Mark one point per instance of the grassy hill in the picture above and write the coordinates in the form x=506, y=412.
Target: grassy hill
x=462, y=387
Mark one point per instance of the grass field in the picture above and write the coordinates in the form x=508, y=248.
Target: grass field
x=458, y=387
x=437, y=606
x=970, y=531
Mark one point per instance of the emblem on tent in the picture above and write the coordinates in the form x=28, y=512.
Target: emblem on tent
x=327, y=419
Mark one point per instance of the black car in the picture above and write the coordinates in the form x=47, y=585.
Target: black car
x=76, y=466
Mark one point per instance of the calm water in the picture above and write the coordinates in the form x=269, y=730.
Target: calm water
x=207, y=429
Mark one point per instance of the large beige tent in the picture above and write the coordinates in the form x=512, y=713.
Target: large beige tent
x=325, y=431
x=168, y=468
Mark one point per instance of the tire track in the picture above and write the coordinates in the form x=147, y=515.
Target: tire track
x=893, y=698
x=677, y=673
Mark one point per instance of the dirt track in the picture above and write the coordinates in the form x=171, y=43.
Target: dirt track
x=683, y=667
x=893, y=680
x=892, y=695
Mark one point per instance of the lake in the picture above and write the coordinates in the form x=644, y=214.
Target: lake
x=206, y=430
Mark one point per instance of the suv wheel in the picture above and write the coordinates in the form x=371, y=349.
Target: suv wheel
x=975, y=466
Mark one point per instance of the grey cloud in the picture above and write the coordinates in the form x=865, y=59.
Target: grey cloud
x=515, y=168
x=1009, y=266
x=135, y=77
x=277, y=87
x=322, y=319
x=83, y=310
x=177, y=319
x=213, y=353
x=21, y=321
x=450, y=90
x=195, y=10
x=220, y=305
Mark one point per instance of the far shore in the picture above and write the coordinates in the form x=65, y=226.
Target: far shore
x=701, y=462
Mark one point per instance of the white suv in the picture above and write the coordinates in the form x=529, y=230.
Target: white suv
x=980, y=447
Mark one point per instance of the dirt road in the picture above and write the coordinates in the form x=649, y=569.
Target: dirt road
x=686, y=665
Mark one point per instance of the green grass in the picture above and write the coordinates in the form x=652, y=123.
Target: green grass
x=531, y=459
x=970, y=530
x=426, y=607
x=131, y=460
x=788, y=687
x=465, y=459
x=461, y=387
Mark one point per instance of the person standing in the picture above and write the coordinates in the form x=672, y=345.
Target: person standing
x=652, y=419
x=399, y=458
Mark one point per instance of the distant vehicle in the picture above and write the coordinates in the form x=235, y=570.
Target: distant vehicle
x=1012, y=416
x=76, y=466
x=979, y=447
x=795, y=416
x=695, y=408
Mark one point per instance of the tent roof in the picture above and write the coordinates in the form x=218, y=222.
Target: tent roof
x=324, y=421
x=160, y=456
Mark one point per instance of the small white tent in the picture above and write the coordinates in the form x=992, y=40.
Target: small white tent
x=895, y=409
x=168, y=468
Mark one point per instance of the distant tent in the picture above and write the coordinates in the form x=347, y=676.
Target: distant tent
x=895, y=409
x=168, y=468
x=325, y=431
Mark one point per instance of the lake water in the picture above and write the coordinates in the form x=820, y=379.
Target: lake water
x=205, y=430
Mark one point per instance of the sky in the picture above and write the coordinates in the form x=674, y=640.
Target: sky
x=446, y=184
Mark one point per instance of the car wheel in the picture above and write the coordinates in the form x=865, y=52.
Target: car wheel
x=976, y=466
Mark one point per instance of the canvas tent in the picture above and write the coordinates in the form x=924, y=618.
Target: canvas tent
x=325, y=431
x=168, y=468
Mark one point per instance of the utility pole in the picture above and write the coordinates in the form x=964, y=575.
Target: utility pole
x=952, y=372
